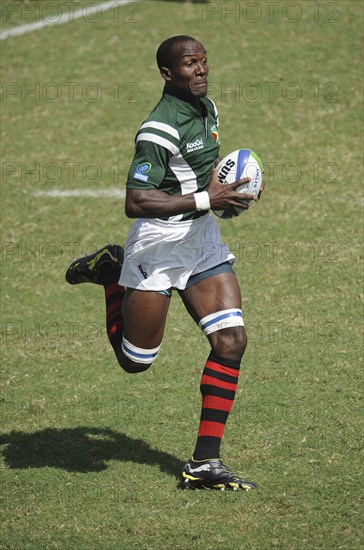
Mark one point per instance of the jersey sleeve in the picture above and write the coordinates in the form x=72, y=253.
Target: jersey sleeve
x=153, y=149
x=148, y=167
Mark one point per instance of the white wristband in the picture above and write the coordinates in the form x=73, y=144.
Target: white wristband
x=202, y=200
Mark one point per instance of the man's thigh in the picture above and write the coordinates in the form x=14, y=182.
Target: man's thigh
x=215, y=304
x=144, y=317
x=216, y=293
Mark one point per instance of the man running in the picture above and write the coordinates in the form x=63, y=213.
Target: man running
x=175, y=244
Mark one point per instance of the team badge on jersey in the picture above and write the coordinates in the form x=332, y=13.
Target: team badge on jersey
x=215, y=134
x=141, y=171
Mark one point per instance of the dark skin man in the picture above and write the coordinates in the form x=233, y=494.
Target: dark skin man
x=136, y=316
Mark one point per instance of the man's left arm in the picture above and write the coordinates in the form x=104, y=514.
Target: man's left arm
x=217, y=160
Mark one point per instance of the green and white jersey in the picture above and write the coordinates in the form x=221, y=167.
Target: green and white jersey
x=175, y=149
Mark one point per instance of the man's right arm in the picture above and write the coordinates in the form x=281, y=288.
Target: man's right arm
x=153, y=203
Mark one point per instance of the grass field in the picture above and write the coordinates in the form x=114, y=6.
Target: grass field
x=91, y=455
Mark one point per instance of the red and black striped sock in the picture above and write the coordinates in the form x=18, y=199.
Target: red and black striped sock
x=114, y=294
x=218, y=386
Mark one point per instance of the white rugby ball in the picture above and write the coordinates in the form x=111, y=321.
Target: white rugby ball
x=242, y=163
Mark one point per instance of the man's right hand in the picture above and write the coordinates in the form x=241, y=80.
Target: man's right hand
x=225, y=197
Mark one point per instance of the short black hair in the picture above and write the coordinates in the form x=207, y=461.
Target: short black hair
x=167, y=52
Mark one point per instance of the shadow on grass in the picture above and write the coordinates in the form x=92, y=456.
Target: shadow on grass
x=81, y=449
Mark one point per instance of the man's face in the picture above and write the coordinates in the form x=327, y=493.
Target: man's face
x=188, y=76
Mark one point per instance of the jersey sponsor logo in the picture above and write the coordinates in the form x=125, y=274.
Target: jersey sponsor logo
x=225, y=170
x=141, y=177
x=194, y=146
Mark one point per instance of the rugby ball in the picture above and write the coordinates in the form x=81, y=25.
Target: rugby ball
x=242, y=163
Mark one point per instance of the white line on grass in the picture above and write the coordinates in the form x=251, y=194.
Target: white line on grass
x=111, y=193
x=65, y=18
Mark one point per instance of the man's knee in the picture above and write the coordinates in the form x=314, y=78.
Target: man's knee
x=226, y=333
x=134, y=359
x=130, y=366
x=229, y=343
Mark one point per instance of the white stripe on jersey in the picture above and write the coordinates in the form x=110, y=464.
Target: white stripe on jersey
x=216, y=112
x=186, y=178
x=161, y=126
x=159, y=140
x=184, y=173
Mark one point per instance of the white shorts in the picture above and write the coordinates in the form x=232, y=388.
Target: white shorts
x=163, y=254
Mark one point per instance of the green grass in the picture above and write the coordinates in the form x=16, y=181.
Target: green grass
x=91, y=455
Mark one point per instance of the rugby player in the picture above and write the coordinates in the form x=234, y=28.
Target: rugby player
x=175, y=244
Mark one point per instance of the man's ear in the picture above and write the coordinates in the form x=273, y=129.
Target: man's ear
x=165, y=73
